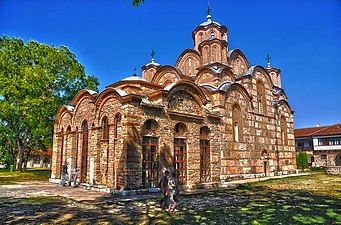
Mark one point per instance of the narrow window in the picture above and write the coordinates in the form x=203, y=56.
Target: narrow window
x=105, y=128
x=236, y=123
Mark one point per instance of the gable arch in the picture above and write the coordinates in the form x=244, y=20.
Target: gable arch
x=83, y=94
x=261, y=70
x=107, y=93
x=227, y=72
x=166, y=75
x=238, y=61
x=64, y=113
x=207, y=76
x=192, y=89
x=61, y=111
x=240, y=89
x=181, y=62
x=84, y=109
x=286, y=105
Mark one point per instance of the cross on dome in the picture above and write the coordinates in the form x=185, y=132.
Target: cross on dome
x=209, y=17
x=153, y=56
x=268, y=58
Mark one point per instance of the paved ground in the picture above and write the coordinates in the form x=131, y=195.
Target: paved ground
x=26, y=203
x=45, y=188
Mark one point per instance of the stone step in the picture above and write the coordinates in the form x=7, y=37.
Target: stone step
x=100, y=188
x=207, y=185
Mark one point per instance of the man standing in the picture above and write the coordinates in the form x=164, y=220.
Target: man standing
x=164, y=188
x=64, y=174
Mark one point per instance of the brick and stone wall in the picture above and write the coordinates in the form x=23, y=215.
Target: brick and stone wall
x=247, y=120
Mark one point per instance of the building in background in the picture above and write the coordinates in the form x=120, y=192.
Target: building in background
x=41, y=158
x=322, y=143
x=210, y=118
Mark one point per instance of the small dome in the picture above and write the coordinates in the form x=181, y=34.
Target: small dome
x=169, y=86
x=121, y=92
x=134, y=78
x=91, y=92
x=209, y=19
x=69, y=107
x=152, y=64
x=152, y=61
x=208, y=22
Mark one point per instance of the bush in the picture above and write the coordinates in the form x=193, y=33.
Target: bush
x=302, y=160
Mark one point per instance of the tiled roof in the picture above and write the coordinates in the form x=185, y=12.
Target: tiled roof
x=318, y=131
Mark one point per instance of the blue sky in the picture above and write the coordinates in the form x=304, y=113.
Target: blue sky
x=111, y=37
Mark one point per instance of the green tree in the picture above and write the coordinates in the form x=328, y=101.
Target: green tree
x=302, y=160
x=35, y=80
x=137, y=2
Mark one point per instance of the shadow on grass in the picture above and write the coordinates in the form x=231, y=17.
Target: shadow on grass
x=246, y=205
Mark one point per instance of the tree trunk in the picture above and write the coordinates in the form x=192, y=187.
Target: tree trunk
x=26, y=157
x=10, y=156
x=21, y=144
x=19, y=158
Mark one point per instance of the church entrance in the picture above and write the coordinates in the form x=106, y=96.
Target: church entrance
x=150, y=162
x=85, y=138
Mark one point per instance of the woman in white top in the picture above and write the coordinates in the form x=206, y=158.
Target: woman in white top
x=171, y=192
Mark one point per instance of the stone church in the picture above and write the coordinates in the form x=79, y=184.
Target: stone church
x=211, y=118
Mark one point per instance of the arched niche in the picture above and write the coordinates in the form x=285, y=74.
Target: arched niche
x=150, y=128
x=180, y=130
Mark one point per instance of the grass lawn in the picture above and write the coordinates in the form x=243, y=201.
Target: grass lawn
x=312, y=199
x=7, y=177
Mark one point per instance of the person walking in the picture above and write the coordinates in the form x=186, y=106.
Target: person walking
x=164, y=185
x=172, y=190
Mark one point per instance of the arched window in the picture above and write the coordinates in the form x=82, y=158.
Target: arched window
x=214, y=53
x=201, y=37
x=150, y=156
x=105, y=128
x=180, y=152
x=261, y=98
x=237, y=123
x=67, y=141
x=116, y=124
x=85, y=143
x=284, y=133
x=206, y=54
x=61, y=151
x=77, y=142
